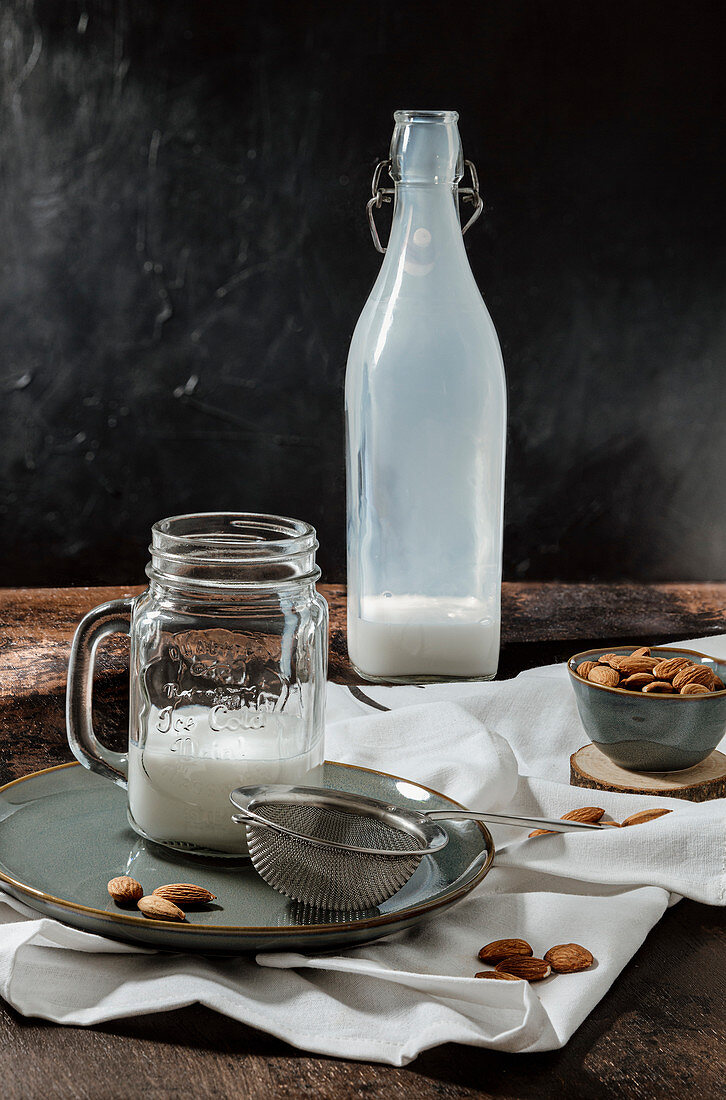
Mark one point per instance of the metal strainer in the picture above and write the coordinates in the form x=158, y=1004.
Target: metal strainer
x=335, y=850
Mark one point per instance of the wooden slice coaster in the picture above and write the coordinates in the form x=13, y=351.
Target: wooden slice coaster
x=591, y=768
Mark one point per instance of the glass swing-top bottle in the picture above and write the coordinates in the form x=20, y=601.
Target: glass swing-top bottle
x=425, y=405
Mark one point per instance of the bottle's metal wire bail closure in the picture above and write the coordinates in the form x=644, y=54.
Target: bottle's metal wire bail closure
x=471, y=194
x=385, y=194
x=380, y=195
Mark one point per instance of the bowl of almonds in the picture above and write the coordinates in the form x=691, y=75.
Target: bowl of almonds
x=655, y=708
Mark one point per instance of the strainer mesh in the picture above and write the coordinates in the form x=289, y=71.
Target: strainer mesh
x=338, y=826
x=327, y=877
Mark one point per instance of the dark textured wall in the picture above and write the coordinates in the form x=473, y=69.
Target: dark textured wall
x=185, y=253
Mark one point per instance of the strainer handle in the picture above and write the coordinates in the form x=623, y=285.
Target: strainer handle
x=556, y=826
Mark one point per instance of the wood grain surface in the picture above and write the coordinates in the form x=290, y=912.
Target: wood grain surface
x=592, y=769
x=657, y=1033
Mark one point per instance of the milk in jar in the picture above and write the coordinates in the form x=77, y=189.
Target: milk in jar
x=180, y=780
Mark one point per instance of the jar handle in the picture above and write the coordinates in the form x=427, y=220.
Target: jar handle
x=108, y=618
x=385, y=194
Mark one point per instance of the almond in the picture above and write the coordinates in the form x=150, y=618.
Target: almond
x=637, y=681
x=696, y=674
x=644, y=651
x=532, y=970
x=184, y=893
x=629, y=665
x=645, y=815
x=568, y=958
x=497, y=950
x=125, y=890
x=718, y=684
x=499, y=975
x=666, y=670
x=604, y=675
x=612, y=659
x=695, y=689
x=159, y=908
x=588, y=814
x=659, y=687
x=584, y=668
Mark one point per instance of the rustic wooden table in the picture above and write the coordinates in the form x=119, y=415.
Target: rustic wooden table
x=659, y=1032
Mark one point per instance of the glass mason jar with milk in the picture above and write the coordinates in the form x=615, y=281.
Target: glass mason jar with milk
x=425, y=414
x=227, y=678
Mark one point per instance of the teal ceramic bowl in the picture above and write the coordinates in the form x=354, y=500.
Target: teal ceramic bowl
x=649, y=732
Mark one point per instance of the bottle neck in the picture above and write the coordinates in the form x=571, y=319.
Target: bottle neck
x=426, y=231
x=426, y=147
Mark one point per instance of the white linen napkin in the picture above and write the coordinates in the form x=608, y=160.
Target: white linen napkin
x=489, y=746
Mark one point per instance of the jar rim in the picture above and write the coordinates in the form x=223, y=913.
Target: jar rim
x=232, y=536
x=230, y=550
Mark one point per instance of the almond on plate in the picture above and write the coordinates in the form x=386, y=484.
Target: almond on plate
x=184, y=893
x=125, y=890
x=159, y=908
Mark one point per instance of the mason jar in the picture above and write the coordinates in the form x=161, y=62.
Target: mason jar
x=227, y=676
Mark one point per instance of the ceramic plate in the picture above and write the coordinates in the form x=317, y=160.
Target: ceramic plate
x=64, y=834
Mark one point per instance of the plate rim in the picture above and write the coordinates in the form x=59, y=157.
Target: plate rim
x=287, y=930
